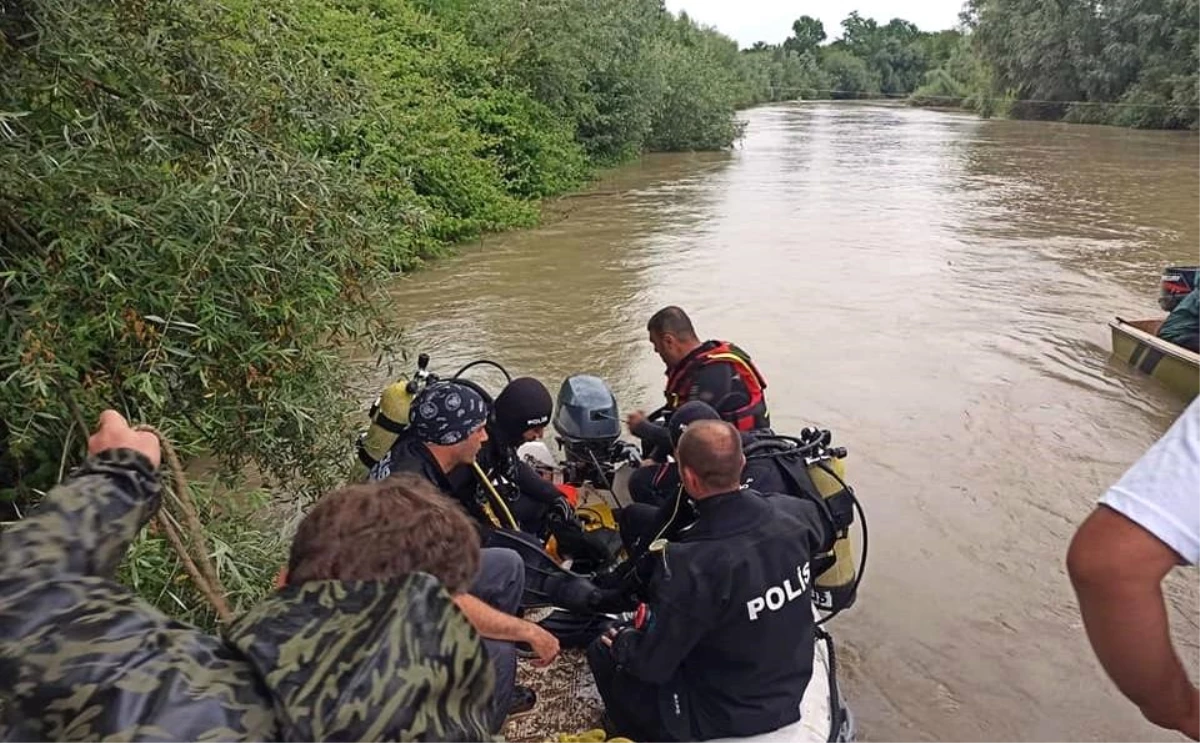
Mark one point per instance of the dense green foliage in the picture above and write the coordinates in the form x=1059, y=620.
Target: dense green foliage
x=628, y=75
x=868, y=60
x=1126, y=62
x=167, y=244
x=246, y=548
x=199, y=200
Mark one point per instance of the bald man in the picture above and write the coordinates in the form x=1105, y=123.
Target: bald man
x=725, y=648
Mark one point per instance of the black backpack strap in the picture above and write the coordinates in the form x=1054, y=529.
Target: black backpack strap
x=837, y=508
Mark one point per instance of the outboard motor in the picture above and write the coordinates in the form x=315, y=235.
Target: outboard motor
x=588, y=425
x=1177, y=283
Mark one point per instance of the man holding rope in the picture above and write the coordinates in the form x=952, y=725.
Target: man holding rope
x=363, y=643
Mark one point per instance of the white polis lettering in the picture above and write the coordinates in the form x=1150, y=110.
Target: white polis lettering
x=774, y=598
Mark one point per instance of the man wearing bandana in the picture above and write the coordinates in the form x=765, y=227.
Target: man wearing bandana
x=447, y=429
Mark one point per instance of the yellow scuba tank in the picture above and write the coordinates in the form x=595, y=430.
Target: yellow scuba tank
x=834, y=589
x=389, y=418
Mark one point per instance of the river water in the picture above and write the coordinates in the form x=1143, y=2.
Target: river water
x=932, y=287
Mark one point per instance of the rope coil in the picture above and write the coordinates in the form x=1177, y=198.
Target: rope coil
x=196, y=562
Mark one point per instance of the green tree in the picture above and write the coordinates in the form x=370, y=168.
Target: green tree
x=601, y=66
x=1128, y=62
x=807, y=35
x=962, y=80
x=895, y=54
x=849, y=76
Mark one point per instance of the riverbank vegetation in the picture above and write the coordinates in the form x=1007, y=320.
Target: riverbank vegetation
x=1126, y=62
x=869, y=60
x=1129, y=62
x=200, y=202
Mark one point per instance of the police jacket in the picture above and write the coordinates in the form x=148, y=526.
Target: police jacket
x=729, y=638
x=83, y=658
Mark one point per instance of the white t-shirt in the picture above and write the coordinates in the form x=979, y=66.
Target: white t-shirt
x=1161, y=491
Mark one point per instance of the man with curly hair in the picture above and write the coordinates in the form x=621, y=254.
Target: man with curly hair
x=364, y=642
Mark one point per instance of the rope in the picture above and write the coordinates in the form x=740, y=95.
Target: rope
x=198, y=564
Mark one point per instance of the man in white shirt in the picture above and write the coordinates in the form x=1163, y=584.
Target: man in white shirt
x=1146, y=524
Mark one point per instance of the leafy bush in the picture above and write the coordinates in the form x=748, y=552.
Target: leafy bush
x=1127, y=62
x=699, y=98
x=612, y=70
x=849, y=76
x=247, y=551
x=200, y=201
x=167, y=247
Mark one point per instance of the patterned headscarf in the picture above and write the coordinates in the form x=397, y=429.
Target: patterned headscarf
x=446, y=413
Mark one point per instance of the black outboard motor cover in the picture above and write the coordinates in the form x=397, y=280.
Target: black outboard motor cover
x=1177, y=283
x=587, y=411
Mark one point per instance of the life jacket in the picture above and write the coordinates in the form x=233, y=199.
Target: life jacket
x=748, y=417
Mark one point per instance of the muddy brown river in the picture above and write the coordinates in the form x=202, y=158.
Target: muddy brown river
x=933, y=288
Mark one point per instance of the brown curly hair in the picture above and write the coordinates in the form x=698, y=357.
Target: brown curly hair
x=383, y=530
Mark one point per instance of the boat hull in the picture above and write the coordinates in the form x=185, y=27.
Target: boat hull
x=1135, y=343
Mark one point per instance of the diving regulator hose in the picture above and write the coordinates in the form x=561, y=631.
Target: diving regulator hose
x=487, y=484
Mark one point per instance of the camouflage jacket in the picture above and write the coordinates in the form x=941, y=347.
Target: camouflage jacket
x=82, y=658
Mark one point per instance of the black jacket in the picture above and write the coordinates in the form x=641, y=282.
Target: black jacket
x=729, y=640
x=498, y=459
x=678, y=510
x=409, y=454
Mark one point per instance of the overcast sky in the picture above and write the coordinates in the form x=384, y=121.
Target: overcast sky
x=749, y=21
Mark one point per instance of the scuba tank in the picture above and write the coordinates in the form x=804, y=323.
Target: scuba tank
x=836, y=588
x=389, y=418
x=815, y=470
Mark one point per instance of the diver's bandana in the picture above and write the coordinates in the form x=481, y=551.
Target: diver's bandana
x=446, y=413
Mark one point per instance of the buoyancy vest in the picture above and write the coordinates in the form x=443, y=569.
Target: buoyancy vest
x=753, y=415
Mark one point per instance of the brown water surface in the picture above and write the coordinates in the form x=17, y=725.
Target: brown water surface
x=933, y=288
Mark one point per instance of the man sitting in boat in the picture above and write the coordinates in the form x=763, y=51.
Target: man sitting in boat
x=446, y=431
x=520, y=415
x=1182, y=326
x=670, y=509
x=725, y=646
x=716, y=372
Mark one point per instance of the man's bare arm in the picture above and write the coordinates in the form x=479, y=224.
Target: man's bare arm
x=1117, y=568
x=496, y=625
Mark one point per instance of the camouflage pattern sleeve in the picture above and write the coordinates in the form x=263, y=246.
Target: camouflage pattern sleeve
x=81, y=657
x=370, y=660
x=85, y=525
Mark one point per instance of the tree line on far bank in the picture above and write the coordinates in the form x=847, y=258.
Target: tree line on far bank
x=1125, y=62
